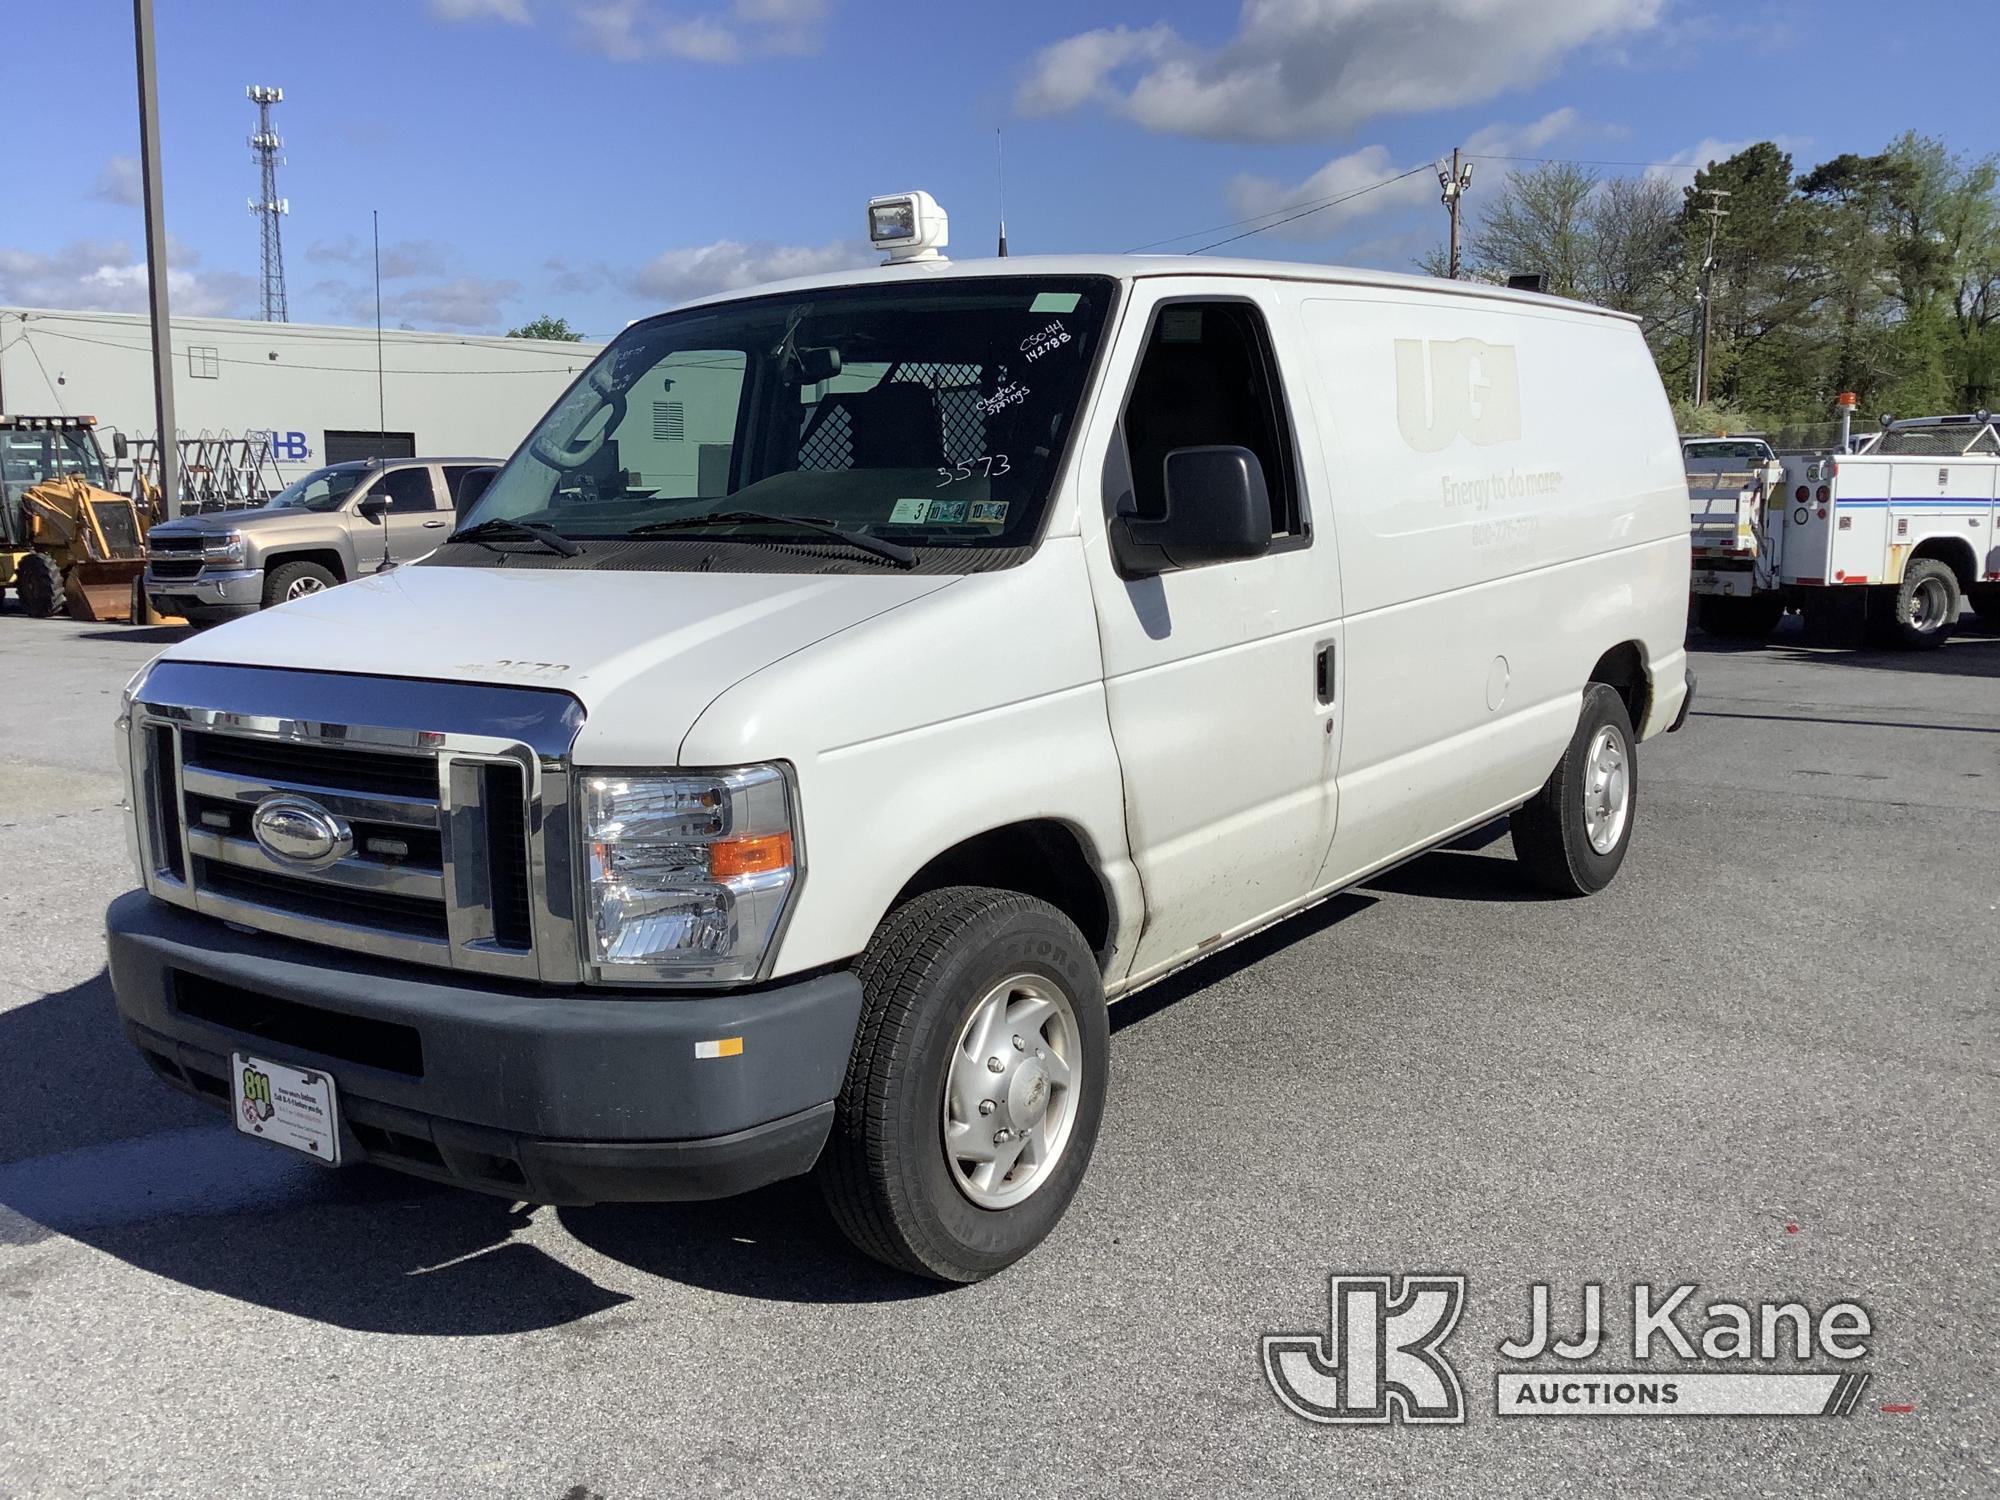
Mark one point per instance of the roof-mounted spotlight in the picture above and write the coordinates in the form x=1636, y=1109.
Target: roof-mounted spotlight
x=909, y=226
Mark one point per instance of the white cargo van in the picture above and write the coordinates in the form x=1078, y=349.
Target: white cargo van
x=1021, y=631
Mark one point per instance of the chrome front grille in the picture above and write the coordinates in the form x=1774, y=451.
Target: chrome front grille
x=450, y=802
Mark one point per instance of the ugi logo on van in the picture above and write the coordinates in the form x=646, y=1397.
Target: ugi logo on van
x=1452, y=388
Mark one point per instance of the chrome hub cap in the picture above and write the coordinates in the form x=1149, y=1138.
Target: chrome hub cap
x=298, y=588
x=1009, y=1098
x=1607, y=789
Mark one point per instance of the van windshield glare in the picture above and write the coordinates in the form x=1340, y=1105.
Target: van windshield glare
x=927, y=415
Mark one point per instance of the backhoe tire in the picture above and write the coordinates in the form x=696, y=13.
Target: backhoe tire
x=1919, y=613
x=976, y=1084
x=40, y=584
x=1571, y=836
x=295, y=580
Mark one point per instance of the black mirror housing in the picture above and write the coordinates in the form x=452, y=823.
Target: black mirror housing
x=119, y=447
x=373, y=507
x=1218, y=510
x=472, y=486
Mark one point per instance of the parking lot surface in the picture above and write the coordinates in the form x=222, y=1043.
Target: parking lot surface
x=1763, y=1061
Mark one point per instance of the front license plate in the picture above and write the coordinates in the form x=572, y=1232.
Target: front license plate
x=292, y=1106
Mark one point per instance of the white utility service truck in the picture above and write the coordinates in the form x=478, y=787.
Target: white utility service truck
x=1904, y=532
x=1022, y=631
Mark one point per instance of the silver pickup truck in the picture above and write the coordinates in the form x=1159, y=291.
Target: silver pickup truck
x=317, y=532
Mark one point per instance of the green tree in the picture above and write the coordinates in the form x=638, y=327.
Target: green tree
x=546, y=327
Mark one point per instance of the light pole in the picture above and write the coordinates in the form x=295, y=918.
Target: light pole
x=156, y=259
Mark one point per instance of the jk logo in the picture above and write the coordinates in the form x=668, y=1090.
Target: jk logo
x=1380, y=1360
x=1451, y=388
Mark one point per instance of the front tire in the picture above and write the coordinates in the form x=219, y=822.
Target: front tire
x=40, y=583
x=1571, y=837
x=296, y=580
x=941, y=1164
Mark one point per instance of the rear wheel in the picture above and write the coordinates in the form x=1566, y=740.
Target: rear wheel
x=976, y=1086
x=40, y=583
x=295, y=580
x=1572, y=836
x=1736, y=618
x=1923, y=608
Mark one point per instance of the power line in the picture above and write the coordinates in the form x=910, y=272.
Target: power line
x=1307, y=213
x=1307, y=205
x=1581, y=161
x=77, y=338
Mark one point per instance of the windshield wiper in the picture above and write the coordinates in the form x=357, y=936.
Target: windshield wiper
x=485, y=533
x=860, y=541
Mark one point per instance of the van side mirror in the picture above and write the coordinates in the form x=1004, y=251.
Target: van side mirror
x=471, y=486
x=373, y=508
x=1218, y=510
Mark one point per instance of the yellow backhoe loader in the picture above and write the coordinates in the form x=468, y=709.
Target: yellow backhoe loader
x=66, y=540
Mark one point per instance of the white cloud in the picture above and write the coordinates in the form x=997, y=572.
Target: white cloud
x=1519, y=140
x=1256, y=197
x=118, y=182
x=401, y=259
x=1709, y=150
x=474, y=302
x=646, y=30
x=105, y=276
x=511, y=12
x=1301, y=68
x=728, y=265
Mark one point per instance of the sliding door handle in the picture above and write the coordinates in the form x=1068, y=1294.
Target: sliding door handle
x=1323, y=678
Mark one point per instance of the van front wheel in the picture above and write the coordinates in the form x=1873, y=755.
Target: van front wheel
x=974, y=1092
x=1572, y=835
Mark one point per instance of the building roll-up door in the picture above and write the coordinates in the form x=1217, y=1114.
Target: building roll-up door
x=344, y=447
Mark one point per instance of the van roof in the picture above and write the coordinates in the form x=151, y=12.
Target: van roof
x=1132, y=267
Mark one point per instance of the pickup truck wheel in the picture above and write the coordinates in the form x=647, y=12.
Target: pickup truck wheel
x=976, y=1085
x=295, y=580
x=40, y=583
x=1924, y=607
x=1572, y=835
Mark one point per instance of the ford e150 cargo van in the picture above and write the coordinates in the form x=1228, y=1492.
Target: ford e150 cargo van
x=856, y=682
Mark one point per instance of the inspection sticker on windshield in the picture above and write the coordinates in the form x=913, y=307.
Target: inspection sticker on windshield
x=292, y=1106
x=910, y=512
x=990, y=510
x=946, y=512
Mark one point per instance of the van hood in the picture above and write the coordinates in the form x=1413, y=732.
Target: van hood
x=644, y=653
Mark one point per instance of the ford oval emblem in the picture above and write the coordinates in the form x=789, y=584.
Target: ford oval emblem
x=298, y=831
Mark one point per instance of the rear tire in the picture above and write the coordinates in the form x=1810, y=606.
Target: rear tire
x=1922, y=609
x=1735, y=618
x=1571, y=837
x=40, y=583
x=952, y=981
x=295, y=580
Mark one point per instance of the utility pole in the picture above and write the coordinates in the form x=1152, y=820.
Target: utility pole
x=156, y=258
x=1705, y=298
x=1455, y=180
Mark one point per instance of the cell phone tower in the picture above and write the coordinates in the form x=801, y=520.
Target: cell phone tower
x=268, y=206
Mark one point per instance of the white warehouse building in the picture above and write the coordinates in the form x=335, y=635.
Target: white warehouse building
x=312, y=388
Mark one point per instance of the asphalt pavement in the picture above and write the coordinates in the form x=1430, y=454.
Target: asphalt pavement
x=1762, y=1061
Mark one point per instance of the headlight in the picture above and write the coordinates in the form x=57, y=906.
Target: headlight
x=226, y=548
x=688, y=873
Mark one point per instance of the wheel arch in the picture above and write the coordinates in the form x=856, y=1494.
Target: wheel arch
x=1955, y=552
x=1046, y=858
x=1623, y=670
x=326, y=557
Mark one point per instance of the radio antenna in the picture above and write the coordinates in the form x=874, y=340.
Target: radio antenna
x=1000, y=176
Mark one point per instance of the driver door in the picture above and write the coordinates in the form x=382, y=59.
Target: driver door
x=419, y=515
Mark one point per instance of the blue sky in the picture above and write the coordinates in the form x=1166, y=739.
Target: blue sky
x=600, y=159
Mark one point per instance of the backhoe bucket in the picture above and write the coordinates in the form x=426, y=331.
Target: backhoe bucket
x=101, y=590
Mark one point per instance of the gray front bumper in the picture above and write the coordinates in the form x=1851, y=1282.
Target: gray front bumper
x=241, y=588
x=552, y=1096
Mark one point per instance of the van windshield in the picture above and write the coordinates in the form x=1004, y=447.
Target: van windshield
x=933, y=416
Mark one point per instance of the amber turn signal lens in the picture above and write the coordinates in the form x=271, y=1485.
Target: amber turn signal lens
x=752, y=856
